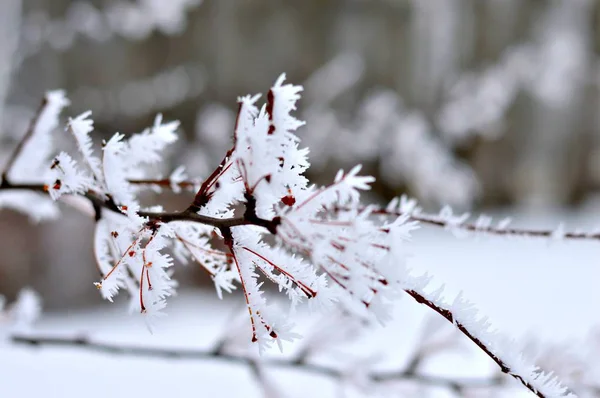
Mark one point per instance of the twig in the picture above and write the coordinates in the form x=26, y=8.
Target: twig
x=185, y=215
x=203, y=196
x=30, y=129
x=301, y=363
x=436, y=221
x=274, y=363
x=446, y=313
x=164, y=183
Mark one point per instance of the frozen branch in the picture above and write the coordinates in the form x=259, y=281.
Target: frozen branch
x=536, y=384
x=500, y=230
x=165, y=183
x=165, y=217
x=326, y=246
x=28, y=134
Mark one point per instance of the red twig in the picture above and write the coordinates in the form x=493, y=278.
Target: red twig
x=305, y=289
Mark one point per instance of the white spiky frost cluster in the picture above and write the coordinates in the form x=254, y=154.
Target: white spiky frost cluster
x=321, y=254
x=32, y=162
x=129, y=251
x=323, y=247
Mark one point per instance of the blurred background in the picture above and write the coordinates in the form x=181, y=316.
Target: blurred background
x=473, y=103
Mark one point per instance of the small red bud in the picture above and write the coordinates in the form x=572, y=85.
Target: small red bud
x=288, y=200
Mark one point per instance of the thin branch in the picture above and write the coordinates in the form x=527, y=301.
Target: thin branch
x=30, y=130
x=203, y=196
x=6, y=185
x=272, y=363
x=446, y=313
x=166, y=217
x=164, y=183
x=532, y=233
x=436, y=221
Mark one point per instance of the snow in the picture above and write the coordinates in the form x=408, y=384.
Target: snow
x=528, y=287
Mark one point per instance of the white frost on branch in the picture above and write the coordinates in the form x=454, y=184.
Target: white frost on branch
x=506, y=352
x=324, y=246
x=36, y=206
x=268, y=324
x=32, y=160
x=65, y=177
x=266, y=152
x=81, y=127
x=123, y=160
x=362, y=258
x=193, y=241
x=37, y=151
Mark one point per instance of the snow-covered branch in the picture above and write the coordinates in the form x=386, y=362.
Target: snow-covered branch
x=255, y=219
x=457, y=223
x=478, y=329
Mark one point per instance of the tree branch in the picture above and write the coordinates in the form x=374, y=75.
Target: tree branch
x=451, y=317
x=164, y=183
x=250, y=218
x=436, y=221
x=30, y=129
x=275, y=363
x=166, y=217
x=102, y=201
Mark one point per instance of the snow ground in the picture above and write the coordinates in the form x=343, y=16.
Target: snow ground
x=527, y=287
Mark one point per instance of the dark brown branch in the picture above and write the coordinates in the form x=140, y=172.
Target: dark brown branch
x=203, y=195
x=274, y=363
x=164, y=183
x=186, y=215
x=5, y=184
x=451, y=318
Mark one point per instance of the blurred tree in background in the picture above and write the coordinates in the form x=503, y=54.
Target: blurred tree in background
x=460, y=102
